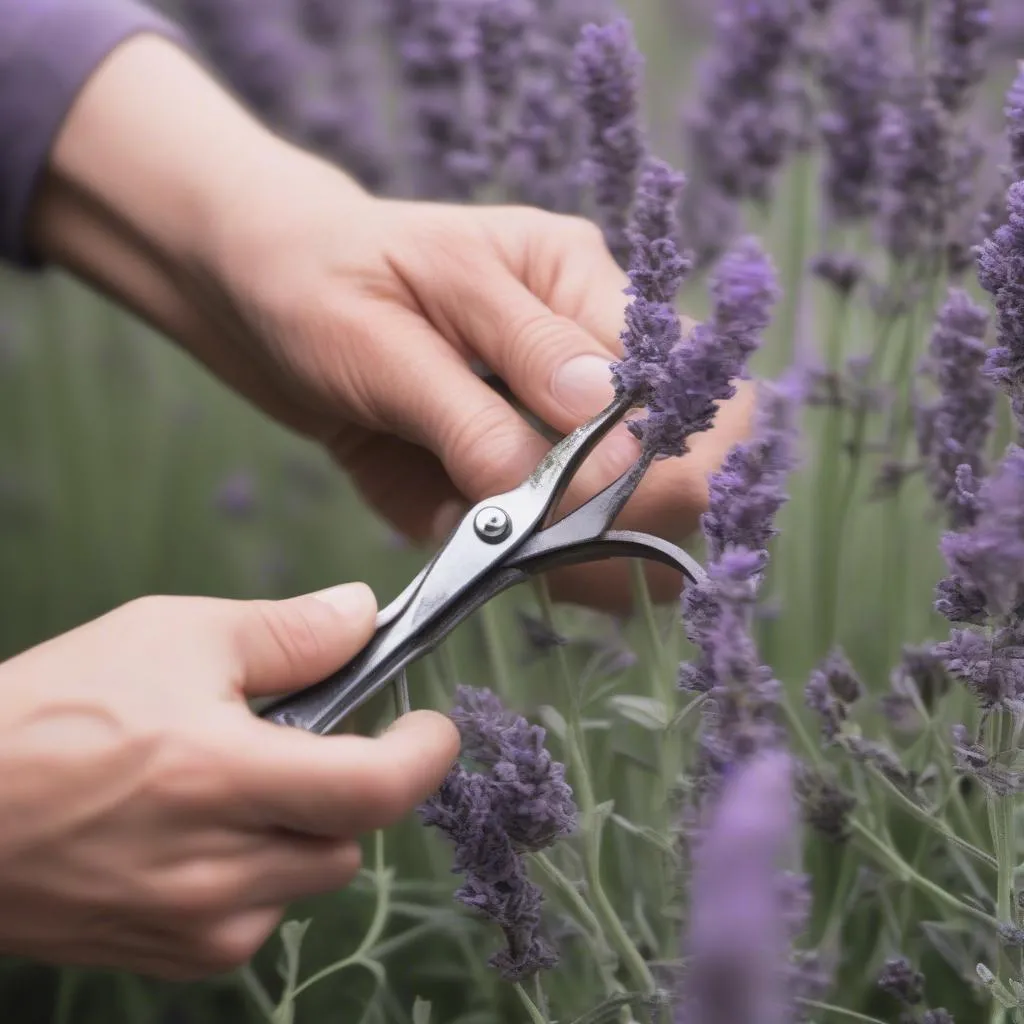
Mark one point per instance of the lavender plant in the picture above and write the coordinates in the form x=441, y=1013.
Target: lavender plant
x=794, y=795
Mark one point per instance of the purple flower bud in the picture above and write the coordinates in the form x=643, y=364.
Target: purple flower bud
x=960, y=36
x=900, y=980
x=855, y=79
x=988, y=558
x=737, y=946
x=915, y=165
x=503, y=26
x=699, y=370
x=747, y=118
x=832, y=688
x=954, y=430
x=606, y=71
x=1014, y=112
x=1001, y=274
x=438, y=43
x=748, y=490
x=656, y=272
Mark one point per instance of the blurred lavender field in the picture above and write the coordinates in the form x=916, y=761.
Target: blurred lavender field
x=125, y=470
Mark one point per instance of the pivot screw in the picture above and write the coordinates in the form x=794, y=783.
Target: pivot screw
x=492, y=524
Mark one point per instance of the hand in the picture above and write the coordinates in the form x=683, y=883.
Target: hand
x=352, y=319
x=149, y=821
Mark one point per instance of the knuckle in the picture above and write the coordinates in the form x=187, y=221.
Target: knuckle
x=291, y=629
x=200, y=889
x=539, y=342
x=485, y=451
x=582, y=230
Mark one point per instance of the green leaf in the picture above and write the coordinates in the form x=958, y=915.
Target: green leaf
x=647, y=712
x=645, y=832
x=552, y=720
x=420, y=1011
x=292, y=933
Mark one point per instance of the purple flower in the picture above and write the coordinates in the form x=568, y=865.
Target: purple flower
x=988, y=557
x=960, y=34
x=503, y=26
x=902, y=981
x=748, y=117
x=915, y=167
x=496, y=884
x=257, y=49
x=1001, y=274
x=520, y=803
x=542, y=145
x=606, y=69
x=855, y=79
x=841, y=270
x=954, y=430
x=657, y=270
x=748, y=490
x=1014, y=112
x=537, y=807
x=738, y=941
x=832, y=688
x=437, y=44
x=699, y=371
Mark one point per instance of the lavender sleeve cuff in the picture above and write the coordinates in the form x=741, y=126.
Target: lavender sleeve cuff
x=48, y=50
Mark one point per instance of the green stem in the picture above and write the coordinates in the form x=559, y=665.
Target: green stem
x=1001, y=824
x=496, y=649
x=532, y=1010
x=839, y=1011
x=612, y=925
x=829, y=541
x=934, y=822
x=377, y=925
x=257, y=993
x=884, y=852
x=67, y=989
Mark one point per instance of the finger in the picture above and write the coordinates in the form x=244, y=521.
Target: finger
x=425, y=392
x=279, y=646
x=555, y=367
x=290, y=868
x=388, y=470
x=338, y=786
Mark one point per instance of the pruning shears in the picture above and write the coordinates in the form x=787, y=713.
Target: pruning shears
x=500, y=542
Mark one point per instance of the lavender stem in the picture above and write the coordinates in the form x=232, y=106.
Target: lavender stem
x=1002, y=824
x=532, y=1010
x=611, y=923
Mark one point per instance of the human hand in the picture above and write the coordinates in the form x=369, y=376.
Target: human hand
x=355, y=320
x=149, y=821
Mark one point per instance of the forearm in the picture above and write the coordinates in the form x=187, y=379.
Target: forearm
x=152, y=156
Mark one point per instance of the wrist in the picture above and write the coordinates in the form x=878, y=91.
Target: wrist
x=153, y=154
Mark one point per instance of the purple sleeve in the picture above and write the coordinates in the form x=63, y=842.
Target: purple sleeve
x=48, y=49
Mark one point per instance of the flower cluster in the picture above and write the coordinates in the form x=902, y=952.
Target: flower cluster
x=518, y=803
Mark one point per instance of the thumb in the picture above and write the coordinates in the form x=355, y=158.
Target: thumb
x=281, y=646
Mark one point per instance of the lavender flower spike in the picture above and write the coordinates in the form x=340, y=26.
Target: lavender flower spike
x=738, y=943
x=1001, y=274
x=961, y=30
x=1014, y=113
x=521, y=803
x=606, y=75
x=749, y=489
x=657, y=270
x=700, y=369
x=854, y=79
x=954, y=430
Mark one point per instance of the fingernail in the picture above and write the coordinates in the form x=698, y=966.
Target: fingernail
x=446, y=518
x=352, y=599
x=584, y=385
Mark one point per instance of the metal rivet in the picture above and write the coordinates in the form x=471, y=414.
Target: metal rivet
x=492, y=524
